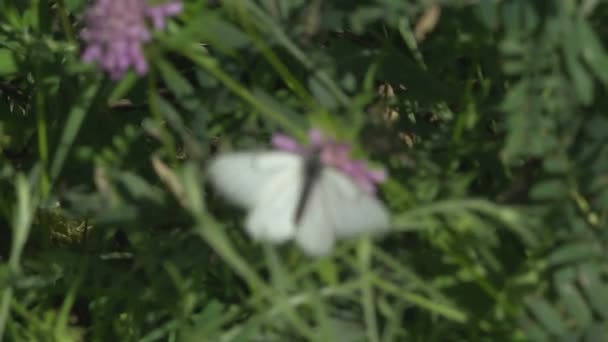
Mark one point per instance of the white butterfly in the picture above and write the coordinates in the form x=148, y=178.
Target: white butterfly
x=289, y=196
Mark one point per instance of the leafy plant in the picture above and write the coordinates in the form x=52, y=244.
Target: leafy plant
x=488, y=116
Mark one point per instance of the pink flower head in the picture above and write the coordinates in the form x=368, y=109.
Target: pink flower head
x=334, y=154
x=116, y=30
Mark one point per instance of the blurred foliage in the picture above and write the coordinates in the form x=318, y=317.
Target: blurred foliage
x=489, y=116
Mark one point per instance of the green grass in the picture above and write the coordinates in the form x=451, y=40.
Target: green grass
x=494, y=137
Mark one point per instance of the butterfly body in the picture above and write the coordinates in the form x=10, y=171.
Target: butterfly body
x=311, y=171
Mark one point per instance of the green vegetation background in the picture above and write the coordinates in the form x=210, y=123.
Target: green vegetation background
x=490, y=116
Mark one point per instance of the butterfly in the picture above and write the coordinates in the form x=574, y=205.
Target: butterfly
x=293, y=196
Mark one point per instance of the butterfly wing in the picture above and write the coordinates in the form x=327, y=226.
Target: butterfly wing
x=242, y=176
x=272, y=218
x=267, y=184
x=315, y=232
x=353, y=211
x=338, y=208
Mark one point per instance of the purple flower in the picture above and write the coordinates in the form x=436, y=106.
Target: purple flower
x=116, y=30
x=334, y=154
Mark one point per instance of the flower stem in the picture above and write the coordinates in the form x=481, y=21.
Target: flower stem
x=65, y=22
x=43, y=149
x=165, y=136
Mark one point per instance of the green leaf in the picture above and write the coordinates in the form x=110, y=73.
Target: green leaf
x=488, y=12
x=571, y=298
x=533, y=331
x=595, y=289
x=8, y=63
x=179, y=85
x=123, y=87
x=139, y=188
x=573, y=252
x=546, y=315
x=321, y=94
x=583, y=84
x=73, y=5
x=549, y=189
x=556, y=164
x=597, y=332
x=278, y=107
x=183, y=90
x=593, y=51
x=72, y=127
x=221, y=34
x=364, y=16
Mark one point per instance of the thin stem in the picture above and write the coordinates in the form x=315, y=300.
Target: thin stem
x=7, y=296
x=296, y=301
x=165, y=136
x=410, y=40
x=65, y=22
x=269, y=24
x=43, y=148
x=421, y=301
x=22, y=221
x=211, y=66
x=290, y=80
x=367, y=290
